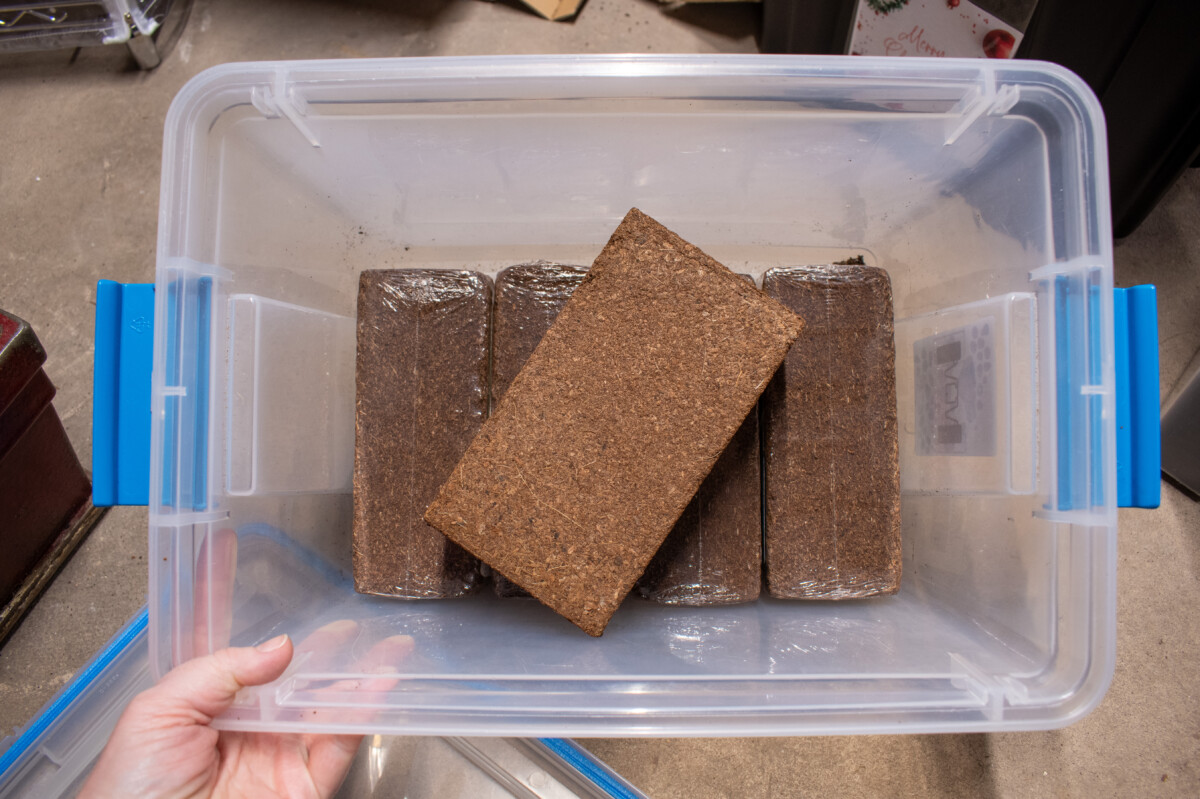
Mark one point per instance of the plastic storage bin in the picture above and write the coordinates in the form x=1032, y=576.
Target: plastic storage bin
x=981, y=187
x=53, y=755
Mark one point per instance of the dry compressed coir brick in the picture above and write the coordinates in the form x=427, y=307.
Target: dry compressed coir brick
x=528, y=299
x=421, y=396
x=832, y=462
x=622, y=410
x=713, y=555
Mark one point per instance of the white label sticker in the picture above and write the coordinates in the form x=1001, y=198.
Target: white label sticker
x=955, y=384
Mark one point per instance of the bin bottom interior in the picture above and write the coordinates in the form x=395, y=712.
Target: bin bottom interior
x=282, y=587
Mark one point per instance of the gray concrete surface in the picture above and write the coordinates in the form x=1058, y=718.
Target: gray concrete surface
x=79, y=176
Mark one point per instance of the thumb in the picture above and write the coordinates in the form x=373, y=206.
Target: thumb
x=208, y=685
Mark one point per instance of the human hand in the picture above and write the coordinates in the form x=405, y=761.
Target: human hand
x=164, y=744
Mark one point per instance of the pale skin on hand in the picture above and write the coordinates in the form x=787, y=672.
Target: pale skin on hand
x=164, y=746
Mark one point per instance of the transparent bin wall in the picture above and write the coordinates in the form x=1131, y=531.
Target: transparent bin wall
x=55, y=753
x=980, y=188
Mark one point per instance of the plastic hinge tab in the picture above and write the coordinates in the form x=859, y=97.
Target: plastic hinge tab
x=1139, y=441
x=121, y=393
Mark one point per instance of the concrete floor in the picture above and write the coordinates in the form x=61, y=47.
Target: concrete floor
x=79, y=180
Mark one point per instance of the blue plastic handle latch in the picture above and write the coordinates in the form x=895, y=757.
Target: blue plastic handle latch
x=1139, y=440
x=125, y=348
x=121, y=393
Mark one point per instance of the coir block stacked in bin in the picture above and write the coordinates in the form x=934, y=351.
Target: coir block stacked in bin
x=833, y=479
x=713, y=554
x=616, y=419
x=421, y=396
x=528, y=299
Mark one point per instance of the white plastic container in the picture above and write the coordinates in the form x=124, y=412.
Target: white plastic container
x=980, y=186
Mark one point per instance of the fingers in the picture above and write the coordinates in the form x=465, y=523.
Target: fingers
x=329, y=758
x=216, y=567
x=382, y=659
x=325, y=645
x=365, y=691
x=330, y=755
x=206, y=686
x=387, y=654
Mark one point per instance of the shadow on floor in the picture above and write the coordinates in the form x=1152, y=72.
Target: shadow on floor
x=732, y=20
x=959, y=765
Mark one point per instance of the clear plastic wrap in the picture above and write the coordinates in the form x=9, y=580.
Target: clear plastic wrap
x=713, y=555
x=833, y=486
x=528, y=298
x=421, y=377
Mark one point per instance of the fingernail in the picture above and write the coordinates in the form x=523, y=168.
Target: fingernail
x=273, y=644
x=399, y=640
x=340, y=626
x=395, y=647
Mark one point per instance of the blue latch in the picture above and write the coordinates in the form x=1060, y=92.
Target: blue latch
x=1080, y=408
x=125, y=347
x=1139, y=440
x=121, y=393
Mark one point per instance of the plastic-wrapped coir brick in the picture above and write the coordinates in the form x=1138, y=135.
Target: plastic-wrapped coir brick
x=421, y=395
x=528, y=298
x=832, y=471
x=713, y=555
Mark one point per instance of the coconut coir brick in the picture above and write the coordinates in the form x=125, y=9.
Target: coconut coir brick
x=528, y=298
x=421, y=396
x=713, y=555
x=833, y=480
x=622, y=410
